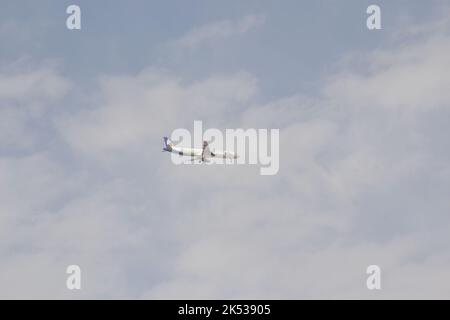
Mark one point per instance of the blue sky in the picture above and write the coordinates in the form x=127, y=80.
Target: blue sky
x=298, y=43
x=364, y=172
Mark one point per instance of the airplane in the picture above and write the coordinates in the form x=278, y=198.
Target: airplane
x=203, y=154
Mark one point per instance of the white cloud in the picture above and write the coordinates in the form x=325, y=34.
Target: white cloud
x=25, y=99
x=143, y=108
x=409, y=76
x=357, y=186
x=38, y=84
x=219, y=30
x=364, y=179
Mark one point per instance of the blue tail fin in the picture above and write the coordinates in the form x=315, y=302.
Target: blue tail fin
x=167, y=144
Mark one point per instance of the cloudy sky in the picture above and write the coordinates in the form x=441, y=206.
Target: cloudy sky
x=364, y=119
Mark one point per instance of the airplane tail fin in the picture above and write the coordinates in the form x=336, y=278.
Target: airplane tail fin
x=167, y=144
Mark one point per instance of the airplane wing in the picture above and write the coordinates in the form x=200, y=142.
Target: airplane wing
x=206, y=151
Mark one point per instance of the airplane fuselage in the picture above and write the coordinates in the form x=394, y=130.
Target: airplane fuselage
x=201, y=154
x=190, y=152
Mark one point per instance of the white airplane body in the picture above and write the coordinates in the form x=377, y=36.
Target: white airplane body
x=197, y=154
